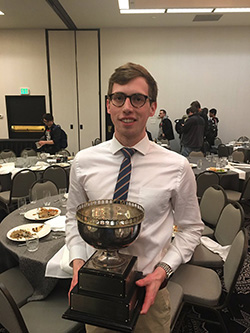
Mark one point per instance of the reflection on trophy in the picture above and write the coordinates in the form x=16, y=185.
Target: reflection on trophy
x=106, y=294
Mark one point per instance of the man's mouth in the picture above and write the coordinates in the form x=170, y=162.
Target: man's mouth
x=127, y=120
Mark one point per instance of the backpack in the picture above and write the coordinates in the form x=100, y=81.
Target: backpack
x=63, y=138
x=178, y=125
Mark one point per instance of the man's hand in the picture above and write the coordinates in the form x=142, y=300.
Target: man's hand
x=42, y=143
x=77, y=264
x=152, y=283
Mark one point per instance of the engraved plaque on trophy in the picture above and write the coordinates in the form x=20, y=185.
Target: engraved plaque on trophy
x=106, y=294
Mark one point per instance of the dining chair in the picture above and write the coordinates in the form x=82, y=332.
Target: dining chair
x=244, y=195
x=223, y=150
x=230, y=222
x=41, y=185
x=97, y=141
x=20, y=186
x=204, y=180
x=64, y=152
x=202, y=286
x=176, y=302
x=238, y=156
x=196, y=153
x=212, y=203
x=29, y=151
x=243, y=139
x=38, y=316
x=7, y=153
x=57, y=174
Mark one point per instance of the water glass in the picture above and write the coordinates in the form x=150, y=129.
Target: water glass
x=21, y=203
x=199, y=164
x=46, y=198
x=32, y=243
x=32, y=196
x=63, y=200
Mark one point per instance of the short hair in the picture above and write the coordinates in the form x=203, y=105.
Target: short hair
x=48, y=117
x=196, y=104
x=164, y=111
x=213, y=111
x=125, y=73
x=191, y=109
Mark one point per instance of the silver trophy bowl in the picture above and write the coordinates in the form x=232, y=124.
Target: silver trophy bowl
x=108, y=226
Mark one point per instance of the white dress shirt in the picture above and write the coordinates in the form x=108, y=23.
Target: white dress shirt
x=161, y=181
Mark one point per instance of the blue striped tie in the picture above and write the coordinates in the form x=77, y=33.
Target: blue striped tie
x=122, y=185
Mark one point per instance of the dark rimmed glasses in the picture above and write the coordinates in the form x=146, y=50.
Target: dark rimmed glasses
x=137, y=100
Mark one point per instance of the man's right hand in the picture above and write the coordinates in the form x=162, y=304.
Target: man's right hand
x=77, y=264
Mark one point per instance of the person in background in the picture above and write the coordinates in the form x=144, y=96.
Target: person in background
x=165, y=128
x=50, y=142
x=161, y=181
x=202, y=112
x=192, y=138
x=212, y=131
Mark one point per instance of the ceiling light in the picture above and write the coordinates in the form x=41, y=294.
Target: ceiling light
x=142, y=11
x=123, y=4
x=189, y=10
x=232, y=10
x=1, y=13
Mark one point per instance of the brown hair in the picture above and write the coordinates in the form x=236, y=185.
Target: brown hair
x=125, y=73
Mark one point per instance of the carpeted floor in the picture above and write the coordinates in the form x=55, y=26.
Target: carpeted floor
x=237, y=320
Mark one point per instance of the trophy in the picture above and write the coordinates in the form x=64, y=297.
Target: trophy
x=106, y=294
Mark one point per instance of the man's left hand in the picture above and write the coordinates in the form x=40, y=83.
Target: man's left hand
x=152, y=283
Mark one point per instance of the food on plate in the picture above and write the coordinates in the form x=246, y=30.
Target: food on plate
x=37, y=229
x=46, y=212
x=216, y=169
x=20, y=233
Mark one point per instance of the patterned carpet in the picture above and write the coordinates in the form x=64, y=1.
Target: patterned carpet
x=237, y=319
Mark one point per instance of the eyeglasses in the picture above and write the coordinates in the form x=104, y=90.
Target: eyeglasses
x=136, y=100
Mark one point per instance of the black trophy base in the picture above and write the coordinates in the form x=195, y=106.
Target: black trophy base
x=114, y=313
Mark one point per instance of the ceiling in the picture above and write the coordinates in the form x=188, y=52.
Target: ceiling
x=91, y=14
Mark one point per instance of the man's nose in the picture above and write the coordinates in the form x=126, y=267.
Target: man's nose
x=127, y=104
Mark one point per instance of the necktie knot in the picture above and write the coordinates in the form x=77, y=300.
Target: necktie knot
x=128, y=152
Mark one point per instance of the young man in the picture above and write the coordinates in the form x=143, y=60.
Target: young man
x=161, y=181
x=165, y=127
x=51, y=140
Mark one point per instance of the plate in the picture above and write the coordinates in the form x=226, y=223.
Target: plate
x=193, y=165
x=43, y=232
x=218, y=170
x=32, y=214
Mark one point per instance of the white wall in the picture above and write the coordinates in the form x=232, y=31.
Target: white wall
x=211, y=65
x=22, y=64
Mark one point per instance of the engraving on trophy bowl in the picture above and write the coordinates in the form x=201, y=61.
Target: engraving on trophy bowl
x=108, y=226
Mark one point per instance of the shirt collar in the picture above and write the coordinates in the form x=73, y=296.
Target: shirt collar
x=142, y=146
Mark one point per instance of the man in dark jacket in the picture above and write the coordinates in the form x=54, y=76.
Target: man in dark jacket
x=192, y=132
x=165, y=127
x=51, y=140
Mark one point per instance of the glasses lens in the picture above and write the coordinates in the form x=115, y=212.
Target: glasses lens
x=138, y=100
x=118, y=99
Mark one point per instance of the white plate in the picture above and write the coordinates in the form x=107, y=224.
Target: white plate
x=193, y=165
x=32, y=214
x=218, y=170
x=43, y=232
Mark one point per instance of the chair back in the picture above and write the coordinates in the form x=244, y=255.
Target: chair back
x=64, y=152
x=235, y=260
x=196, y=153
x=7, y=153
x=10, y=316
x=28, y=151
x=217, y=142
x=96, y=142
x=230, y=222
x=212, y=203
x=42, y=185
x=238, y=156
x=223, y=150
x=243, y=139
x=206, y=179
x=21, y=183
x=57, y=174
x=245, y=194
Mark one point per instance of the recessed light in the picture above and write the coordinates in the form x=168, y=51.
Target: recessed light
x=189, y=10
x=1, y=13
x=142, y=11
x=232, y=10
x=123, y=4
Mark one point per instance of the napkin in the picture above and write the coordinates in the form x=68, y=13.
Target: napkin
x=58, y=265
x=7, y=168
x=57, y=223
x=242, y=174
x=215, y=247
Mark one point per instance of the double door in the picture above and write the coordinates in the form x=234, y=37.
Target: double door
x=73, y=65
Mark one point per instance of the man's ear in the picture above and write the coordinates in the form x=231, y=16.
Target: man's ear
x=153, y=108
x=108, y=105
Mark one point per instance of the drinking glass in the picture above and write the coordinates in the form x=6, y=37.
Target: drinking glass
x=32, y=196
x=199, y=164
x=46, y=198
x=63, y=200
x=21, y=203
x=32, y=243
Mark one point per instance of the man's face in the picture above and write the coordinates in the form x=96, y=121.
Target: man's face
x=161, y=114
x=130, y=122
x=47, y=123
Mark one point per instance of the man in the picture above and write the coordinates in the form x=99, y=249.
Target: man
x=212, y=130
x=51, y=140
x=161, y=181
x=192, y=132
x=165, y=128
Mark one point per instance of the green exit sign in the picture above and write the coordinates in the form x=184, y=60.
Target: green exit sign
x=25, y=91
